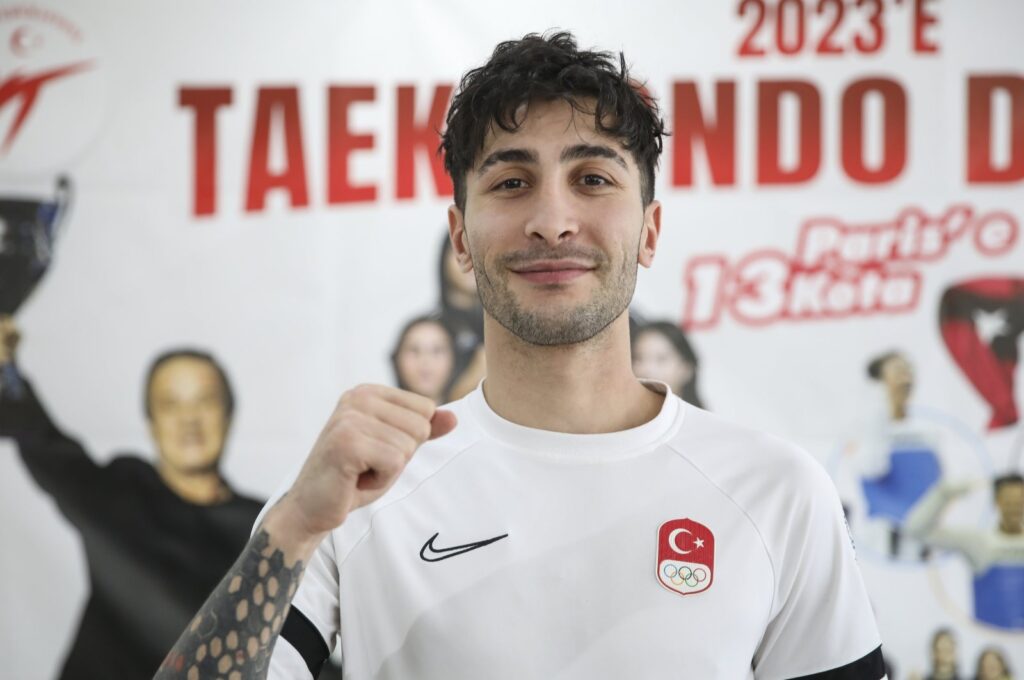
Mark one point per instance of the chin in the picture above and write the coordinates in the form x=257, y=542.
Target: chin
x=197, y=464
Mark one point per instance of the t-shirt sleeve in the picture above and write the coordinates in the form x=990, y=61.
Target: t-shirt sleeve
x=821, y=624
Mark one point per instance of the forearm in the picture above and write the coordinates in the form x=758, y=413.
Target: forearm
x=924, y=517
x=59, y=464
x=25, y=416
x=239, y=623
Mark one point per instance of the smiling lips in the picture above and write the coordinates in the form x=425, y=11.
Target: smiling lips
x=553, y=271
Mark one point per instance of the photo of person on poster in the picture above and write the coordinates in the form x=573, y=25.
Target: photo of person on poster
x=996, y=556
x=992, y=665
x=424, y=358
x=943, y=657
x=898, y=461
x=156, y=537
x=661, y=351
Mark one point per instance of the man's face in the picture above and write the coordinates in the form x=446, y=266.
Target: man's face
x=944, y=651
x=554, y=226
x=188, y=421
x=1010, y=501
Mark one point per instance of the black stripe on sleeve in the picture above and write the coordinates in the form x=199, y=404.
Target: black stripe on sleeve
x=868, y=667
x=305, y=638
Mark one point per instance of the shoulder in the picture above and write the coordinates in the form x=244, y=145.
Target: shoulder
x=246, y=503
x=775, y=483
x=728, y=451
x=131, y=466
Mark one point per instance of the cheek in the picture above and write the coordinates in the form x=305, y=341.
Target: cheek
x=162, y=426
x=406, y=362
x=442, y=360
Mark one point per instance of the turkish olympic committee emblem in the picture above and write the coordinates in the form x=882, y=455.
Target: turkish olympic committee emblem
x=686, y=556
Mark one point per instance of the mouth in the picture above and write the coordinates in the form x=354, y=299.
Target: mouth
x=193, y=439
x=552, y=271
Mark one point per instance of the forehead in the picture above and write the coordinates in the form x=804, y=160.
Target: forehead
x=652, y=339
x=428, y=329
x=896, y=362
x=185, y=368
x=549, y=127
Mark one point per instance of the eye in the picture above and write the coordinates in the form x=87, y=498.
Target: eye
x=594, y=180
x=510, y=184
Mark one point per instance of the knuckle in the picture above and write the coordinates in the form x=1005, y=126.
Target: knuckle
x=341, y=422
x=390, y=467
x=345, y=400
x=356, y=394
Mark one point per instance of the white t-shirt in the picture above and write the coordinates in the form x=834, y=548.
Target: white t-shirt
x=687, y=547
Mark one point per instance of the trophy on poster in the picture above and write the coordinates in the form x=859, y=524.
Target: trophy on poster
x=28, y=228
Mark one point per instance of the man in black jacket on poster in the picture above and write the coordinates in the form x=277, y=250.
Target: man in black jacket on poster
x=157, y=538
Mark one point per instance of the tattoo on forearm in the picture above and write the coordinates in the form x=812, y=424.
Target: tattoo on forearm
x=233, y=635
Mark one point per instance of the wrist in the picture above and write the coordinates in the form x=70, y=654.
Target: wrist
x=289, y=533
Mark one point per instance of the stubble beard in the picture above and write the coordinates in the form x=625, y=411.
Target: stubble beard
x=559, y=326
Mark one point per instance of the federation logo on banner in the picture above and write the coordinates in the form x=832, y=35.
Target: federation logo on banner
x=53, y=99
x=686, y=556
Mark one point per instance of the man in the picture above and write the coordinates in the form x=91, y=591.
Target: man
x=996, y=556
x=156, y=539
x=566, y=520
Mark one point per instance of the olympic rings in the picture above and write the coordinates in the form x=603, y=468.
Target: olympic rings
x=684, y=574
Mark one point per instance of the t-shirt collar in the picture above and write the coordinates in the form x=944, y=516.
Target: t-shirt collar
x=582, y=447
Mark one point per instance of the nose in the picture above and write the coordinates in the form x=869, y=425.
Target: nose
x=554, y=217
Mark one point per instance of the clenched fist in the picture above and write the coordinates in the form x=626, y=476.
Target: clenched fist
x=373, y=432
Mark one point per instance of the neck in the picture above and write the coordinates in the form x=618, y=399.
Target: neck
x=897, y=409
x=201, y=488
x=1012, y=528
x=586, y=388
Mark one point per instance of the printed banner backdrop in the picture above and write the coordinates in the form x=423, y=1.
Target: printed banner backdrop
x=843, y=199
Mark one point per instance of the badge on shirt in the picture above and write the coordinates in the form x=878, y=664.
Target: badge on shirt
x=686, y=556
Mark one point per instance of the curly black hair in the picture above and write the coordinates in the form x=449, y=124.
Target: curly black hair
x=548, y=68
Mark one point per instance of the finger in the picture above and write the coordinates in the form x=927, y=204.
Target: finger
x=382, y=437
x=411, y=422
x=382, y=467
x=406, y=399
x=442, y=423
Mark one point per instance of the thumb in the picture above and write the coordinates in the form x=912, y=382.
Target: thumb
x=442, y=423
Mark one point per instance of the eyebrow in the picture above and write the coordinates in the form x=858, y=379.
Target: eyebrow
x=507, y=156
x=582, y=151
x=573, y=153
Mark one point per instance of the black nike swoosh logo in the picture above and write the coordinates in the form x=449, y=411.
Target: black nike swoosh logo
x=428, y=553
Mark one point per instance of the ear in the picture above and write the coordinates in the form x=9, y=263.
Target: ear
x=649, y=234
x=457, y=234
